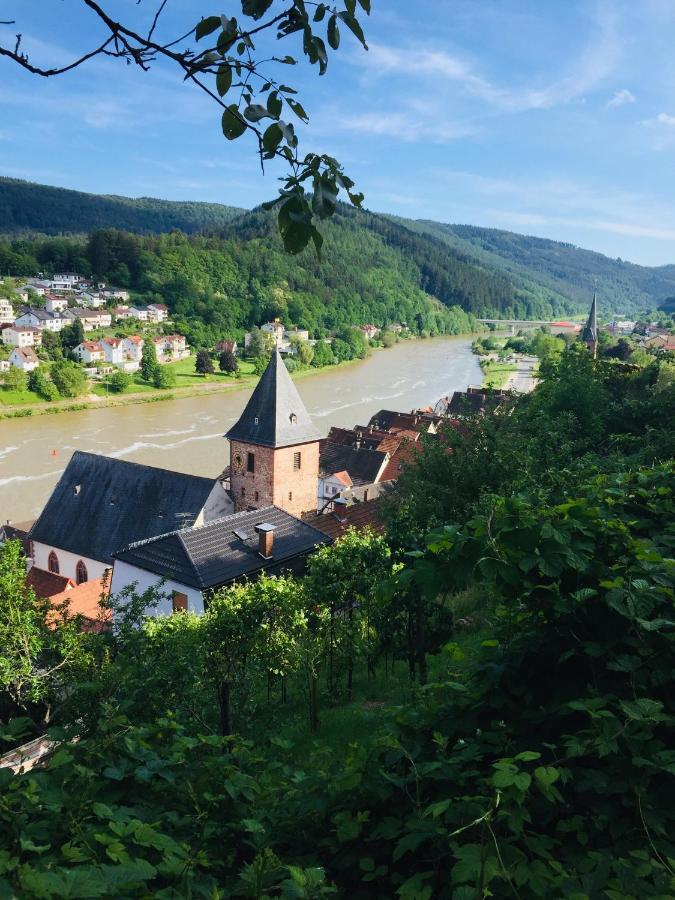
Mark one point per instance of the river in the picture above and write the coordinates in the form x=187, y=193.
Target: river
x=187, y=434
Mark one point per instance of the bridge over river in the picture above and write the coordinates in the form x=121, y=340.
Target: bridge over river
x=516, y=324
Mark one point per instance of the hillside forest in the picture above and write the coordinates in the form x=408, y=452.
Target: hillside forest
x=476, y=702
x=486, y=272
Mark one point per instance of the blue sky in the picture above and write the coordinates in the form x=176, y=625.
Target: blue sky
x=550, y=118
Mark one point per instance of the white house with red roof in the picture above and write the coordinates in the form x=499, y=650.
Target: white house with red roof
x=169, y=347
x=89, y=352
x=24, y=358
x=113, y=350
x=54, y=304
x=158, y=312
x=369, y=331
x=22, y=336
x=133, y=348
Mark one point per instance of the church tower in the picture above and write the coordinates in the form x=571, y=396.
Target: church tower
x=274, y=448
x=590, y=331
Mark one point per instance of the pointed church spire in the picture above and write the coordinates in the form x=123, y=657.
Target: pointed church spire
x=275, y=416
x=590, y=330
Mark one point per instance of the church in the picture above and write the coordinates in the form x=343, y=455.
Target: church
x=107, y=513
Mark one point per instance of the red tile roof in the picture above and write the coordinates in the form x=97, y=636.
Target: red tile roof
x=359, y=515
x=84, y=600
x=47, y=584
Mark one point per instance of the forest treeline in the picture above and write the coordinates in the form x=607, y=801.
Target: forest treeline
x=29, y=207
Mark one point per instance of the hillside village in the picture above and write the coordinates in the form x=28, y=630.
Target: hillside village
x=67, y=316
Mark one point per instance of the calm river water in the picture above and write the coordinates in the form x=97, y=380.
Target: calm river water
x=187, y=434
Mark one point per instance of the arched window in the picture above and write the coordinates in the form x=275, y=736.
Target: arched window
x=81, y=572
x=53, y=563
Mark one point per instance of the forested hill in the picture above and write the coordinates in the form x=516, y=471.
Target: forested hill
x=28, y=207
x=555, y=272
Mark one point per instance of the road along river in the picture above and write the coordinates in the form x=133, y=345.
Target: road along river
x=187, y=434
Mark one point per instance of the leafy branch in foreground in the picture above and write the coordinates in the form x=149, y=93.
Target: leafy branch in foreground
x=252, y=97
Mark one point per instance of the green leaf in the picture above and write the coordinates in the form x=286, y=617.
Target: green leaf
x=274, y=105
x=255, y=8
x=233, y=124
x=333, y=33
x=207, y=26
x=224, y=79
x=352, y=23
x=365, y=5
x=255, y=112
x=272, y=137
x=297, y=109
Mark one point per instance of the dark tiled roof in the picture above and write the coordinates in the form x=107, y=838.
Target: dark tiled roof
x=213, y=555
x=275, y=416
x=463, y=403
x=590, y=329
x=363, y=465
x=391, y=420
x=102, y=504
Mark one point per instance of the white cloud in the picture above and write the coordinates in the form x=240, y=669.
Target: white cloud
x=597, y=60
x=408, y=126
x=665, y=119
x=621, y=98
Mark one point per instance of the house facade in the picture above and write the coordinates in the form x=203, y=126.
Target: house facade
x=113, y=350
x=89, y=352
x=186, y=566
x=24, y=358
x=139, y=312
x=22, y=336
x=157, y=312
x=54, y=304
x=41, y=318
x=169, y=347
x=6, y=311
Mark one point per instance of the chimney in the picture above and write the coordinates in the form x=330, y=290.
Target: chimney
x=265, y=539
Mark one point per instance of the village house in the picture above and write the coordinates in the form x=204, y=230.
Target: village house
x=90, y=318
x=6, y=312
x=90, y=298
x=133, y=348
x=21, y=294
x=24, y=358
x=22, y=336
x=120, y=313
x=139, y=312
x=158, y=312
x=369, y=331
x=101, y=505
x=113, y=293
x=65, y=281
x=186, y=566
x=41, y=318
x=54, y=304
x=113, y=350
x=281, y=336
x=39, y=286
x=226, y=347
x=169, y=347
x=89, y=352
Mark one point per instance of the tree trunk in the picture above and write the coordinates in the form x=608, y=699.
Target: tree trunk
x=225, y=710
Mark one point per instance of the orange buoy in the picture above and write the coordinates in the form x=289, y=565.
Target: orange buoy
x=53, y=452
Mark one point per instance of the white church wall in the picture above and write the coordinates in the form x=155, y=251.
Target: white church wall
x=67, y=562
x=125, y=575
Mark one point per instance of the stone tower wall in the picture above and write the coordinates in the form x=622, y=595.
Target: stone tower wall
x=275, y=481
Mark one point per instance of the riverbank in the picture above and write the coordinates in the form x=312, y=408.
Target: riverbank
x=224, y=384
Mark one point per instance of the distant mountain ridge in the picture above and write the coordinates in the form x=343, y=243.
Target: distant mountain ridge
x=554, y=270
x=486, y=271
x=27, y=207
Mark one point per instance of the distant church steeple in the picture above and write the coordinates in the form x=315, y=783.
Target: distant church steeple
x=274, y=447
x=590, y=331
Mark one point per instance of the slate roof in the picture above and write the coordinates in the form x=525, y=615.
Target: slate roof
x=362, y=465
x=102, y=504
x=465, y=403
x=213, y=555
x=590, y=329
x=275, y=416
